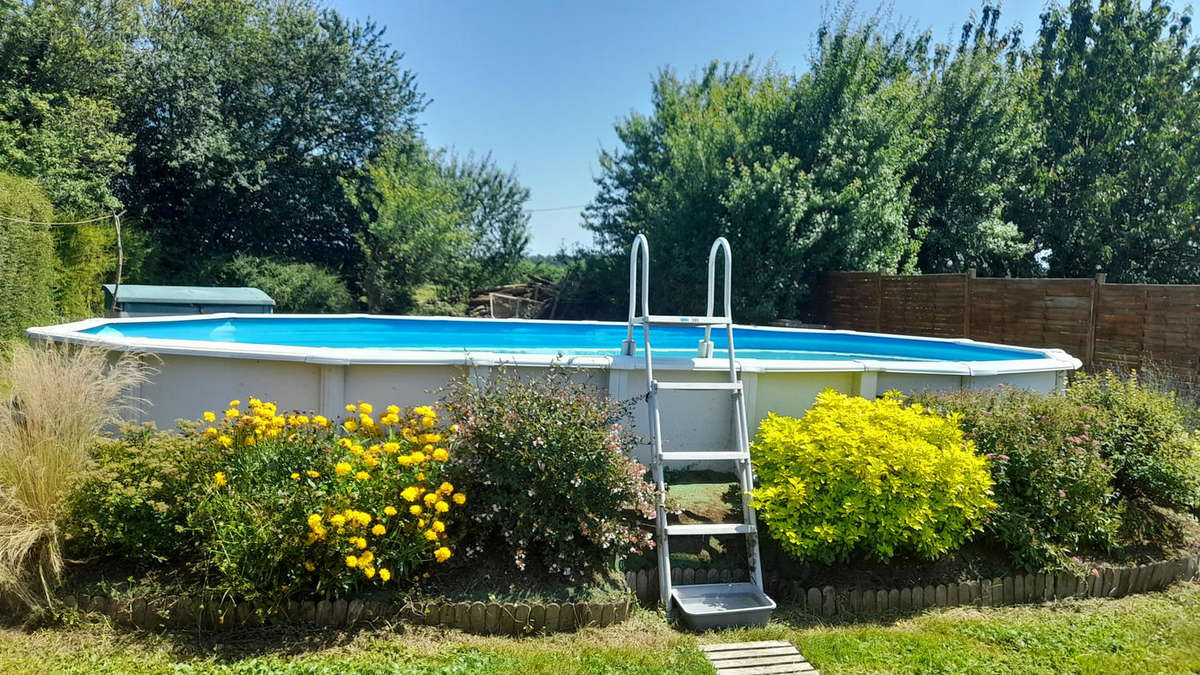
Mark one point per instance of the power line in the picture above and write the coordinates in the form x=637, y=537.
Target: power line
x=77, y=222
x=116, y=221
x=556, y=208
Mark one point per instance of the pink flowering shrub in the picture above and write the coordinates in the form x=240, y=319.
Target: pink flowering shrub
x=547, y=463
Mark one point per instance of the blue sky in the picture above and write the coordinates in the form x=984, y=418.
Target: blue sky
x=539, y=84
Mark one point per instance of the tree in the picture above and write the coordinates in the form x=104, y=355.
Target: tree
x=801, y=174
x=983, y=132
x=493, y=203
x=1116, y=188
x=249, y=119
x=26, y=257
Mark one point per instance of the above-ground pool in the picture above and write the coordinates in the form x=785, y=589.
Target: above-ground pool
x=322, y=362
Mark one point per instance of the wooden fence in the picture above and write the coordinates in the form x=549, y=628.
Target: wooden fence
x=1102, y=324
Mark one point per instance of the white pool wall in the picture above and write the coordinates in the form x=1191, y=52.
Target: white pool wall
x=194, y=376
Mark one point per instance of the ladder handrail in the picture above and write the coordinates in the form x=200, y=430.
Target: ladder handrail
x=723, y=244
x=640, y=245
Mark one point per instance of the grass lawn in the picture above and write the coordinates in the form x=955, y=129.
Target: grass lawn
x=1155, y=633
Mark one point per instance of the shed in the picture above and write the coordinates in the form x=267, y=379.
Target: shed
x=145, y=300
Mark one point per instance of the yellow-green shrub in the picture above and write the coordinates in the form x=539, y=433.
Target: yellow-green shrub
x=874, y=478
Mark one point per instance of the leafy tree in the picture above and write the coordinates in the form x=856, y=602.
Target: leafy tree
x=303, y=288
x=250, y=118
x=493, y=203
x=801, y=174
x=983, y=135
x=1118, y=99
x=26, y=257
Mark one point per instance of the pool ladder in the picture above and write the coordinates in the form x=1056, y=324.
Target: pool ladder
x=703, y=605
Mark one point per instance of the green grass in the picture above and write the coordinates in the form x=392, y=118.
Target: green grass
x=1154, y=633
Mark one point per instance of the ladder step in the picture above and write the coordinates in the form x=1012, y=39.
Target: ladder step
x=702, y=455
x=699, y=386
x=711, y=528
x=671, y=320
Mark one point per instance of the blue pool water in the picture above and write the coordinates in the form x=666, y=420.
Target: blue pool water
x=559, y=337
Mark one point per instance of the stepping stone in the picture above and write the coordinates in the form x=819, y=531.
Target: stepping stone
x=753, y=658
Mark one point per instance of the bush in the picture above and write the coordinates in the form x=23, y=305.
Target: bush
x=548, y=464
x=1142, y=433
x=301, y=506
x=59, y=398
x=27, y=259
x=302, y=288
x=1052, y=482
x=875, y=478
x=136, y=499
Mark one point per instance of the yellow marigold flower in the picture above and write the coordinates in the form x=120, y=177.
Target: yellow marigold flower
x=442, y=554
x=431, y=438
x=393, y=409
x=389, y=510
x=418, y=457
x=320, y=421
x=342, y=468
x=234, y=403
x=379, y=530
x=219, y=479
x=438, y=526
x=362, y=475
x=365, y=407
x=441, y=506
x=360, y=543
x=423, y=410
x=363, y=518
x=460, y=498
x=232, y=413
x=313, y=519
x=351, y=561
x=404, y=460
x=441, y=454
x=345, y=442
x=356, y=450
x=415, y=509
x=350, y=425
x=311, y=539
x=385, y=574
x=211, y=432
x=410, y=493
x=210, y=416
x=309, y=566
x=427, y=421
x=350, y=407
x=431, y=535
x=370, y=461
x=431, y=498
x=391, y=447
x=295, y=476
x=366, y=420
x=366, y=558
x=421, y=476
x=420, y=523
x=254, y=403
x=445, y=488
x=337, y=520
x=369, y=572
x=313, y=474
x=251, y=441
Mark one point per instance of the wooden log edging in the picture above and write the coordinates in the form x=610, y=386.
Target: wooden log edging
x=492, y=618
x=827, y=601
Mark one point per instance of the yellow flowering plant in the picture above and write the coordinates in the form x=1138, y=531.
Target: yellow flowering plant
x=311, y=505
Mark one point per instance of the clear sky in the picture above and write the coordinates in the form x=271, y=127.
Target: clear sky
x=539, y=84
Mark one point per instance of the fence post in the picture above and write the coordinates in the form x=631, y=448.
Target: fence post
x=967, y=278
x=1093, y=315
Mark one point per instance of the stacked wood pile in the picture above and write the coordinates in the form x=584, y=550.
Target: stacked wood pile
x=533, y=299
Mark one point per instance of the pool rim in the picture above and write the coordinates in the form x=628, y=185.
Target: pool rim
x=1050, y=359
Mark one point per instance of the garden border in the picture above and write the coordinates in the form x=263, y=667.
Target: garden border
x=491, y=618
x=828, y=601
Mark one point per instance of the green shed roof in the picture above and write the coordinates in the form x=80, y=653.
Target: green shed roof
x=190, y=295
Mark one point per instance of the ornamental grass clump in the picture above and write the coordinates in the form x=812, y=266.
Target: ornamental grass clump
x=548, y=463
x=858, y=478
x=58, y=400
x=303, y=505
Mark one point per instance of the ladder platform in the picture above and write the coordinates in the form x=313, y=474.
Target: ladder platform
x=711, y=528
x=704, y=455
x=674, y=320
x=699, y=386
x=706, y=606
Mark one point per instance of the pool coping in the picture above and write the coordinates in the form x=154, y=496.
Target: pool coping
x=1050, y=359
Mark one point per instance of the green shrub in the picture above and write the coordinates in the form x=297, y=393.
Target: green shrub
x=135, y=501
x=1052, y=482
x=301, y=507
x=1142, y=433
x=547, y=463
x=302, y=288
x=27, y=260
x=875, y=478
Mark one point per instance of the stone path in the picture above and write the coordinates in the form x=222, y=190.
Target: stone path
x=753, y=658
